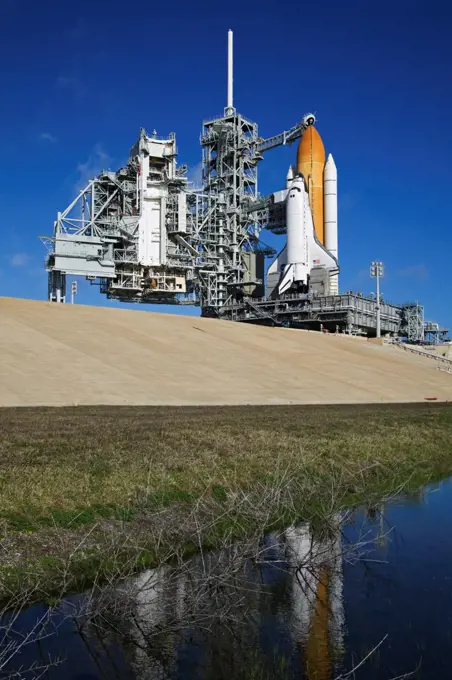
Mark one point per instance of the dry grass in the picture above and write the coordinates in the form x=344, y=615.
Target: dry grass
x=85, y=490
x=58, y=461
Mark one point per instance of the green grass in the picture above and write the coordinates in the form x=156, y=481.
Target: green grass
x=71, y=467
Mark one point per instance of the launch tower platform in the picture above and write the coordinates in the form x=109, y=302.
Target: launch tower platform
x=350, y=313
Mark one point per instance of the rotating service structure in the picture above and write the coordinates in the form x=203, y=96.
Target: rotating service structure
x=145, y=234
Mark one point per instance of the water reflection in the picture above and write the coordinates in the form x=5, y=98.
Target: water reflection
x=308, y=602
x=254, y=609
x=209, y=617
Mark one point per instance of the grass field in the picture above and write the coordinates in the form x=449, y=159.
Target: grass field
x=72, y=472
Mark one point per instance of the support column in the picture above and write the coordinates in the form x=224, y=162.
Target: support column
x=57, y=286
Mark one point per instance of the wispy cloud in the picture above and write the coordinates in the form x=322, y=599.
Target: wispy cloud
x=47, y=137
x=418, y=272
x=72, y=85
x=19, y=260
x=97, y=160
x=25, y=265
x=348, y=201
x=362, y=275
x=194, y=175
x=65, y=81
x=78, y=32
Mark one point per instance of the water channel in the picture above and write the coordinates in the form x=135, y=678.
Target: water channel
x=372, y=595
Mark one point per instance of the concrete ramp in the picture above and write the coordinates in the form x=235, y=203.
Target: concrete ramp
x=71, y=354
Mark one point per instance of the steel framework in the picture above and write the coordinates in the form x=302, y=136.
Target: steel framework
x=434, y=334
x=144, y=235
x=229, y=161
x=132, y=231
x=412, y=322
x=349, y=313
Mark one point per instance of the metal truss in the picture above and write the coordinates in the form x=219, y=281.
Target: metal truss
x=210, y=252
x=98, y=234
x=105, y=205
x=412, y=326
x=231, y=239
x=348, y=313
x=434, y=334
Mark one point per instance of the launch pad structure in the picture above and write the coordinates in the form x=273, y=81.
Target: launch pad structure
x=144, y=234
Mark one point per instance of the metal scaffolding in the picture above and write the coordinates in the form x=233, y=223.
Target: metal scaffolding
x=434, y=334
x=130, y=231
x=350, y=313
x=412, y=322
x=230, y=239
x=144, y=234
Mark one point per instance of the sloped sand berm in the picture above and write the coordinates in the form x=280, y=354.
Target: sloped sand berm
x=72, y=354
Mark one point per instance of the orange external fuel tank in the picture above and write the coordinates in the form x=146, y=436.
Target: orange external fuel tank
x=310, y=162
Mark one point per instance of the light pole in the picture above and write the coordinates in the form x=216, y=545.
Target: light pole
x=377, y=272
x=73, y=291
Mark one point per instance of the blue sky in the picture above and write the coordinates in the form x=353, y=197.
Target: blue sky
x=78, y=80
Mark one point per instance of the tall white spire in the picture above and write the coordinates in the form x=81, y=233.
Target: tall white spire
x=230, y=104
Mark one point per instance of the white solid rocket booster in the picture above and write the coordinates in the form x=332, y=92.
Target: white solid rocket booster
x=330, y=214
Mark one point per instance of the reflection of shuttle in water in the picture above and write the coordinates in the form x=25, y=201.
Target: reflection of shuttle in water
x=159, y=608
x=175, y=604
x=317, y=598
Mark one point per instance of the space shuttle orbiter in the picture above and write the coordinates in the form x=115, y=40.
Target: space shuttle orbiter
x=309, y=259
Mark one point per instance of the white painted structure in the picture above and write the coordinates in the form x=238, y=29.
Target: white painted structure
x=153, y=194
x=230, y=100
x=289, y=177
x=144, y=234
x=330, y=215
x=303, y=252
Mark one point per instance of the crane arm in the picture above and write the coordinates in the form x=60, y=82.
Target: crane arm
x=288, y=136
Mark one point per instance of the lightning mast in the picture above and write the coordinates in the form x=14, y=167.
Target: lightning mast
x=229, y=160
